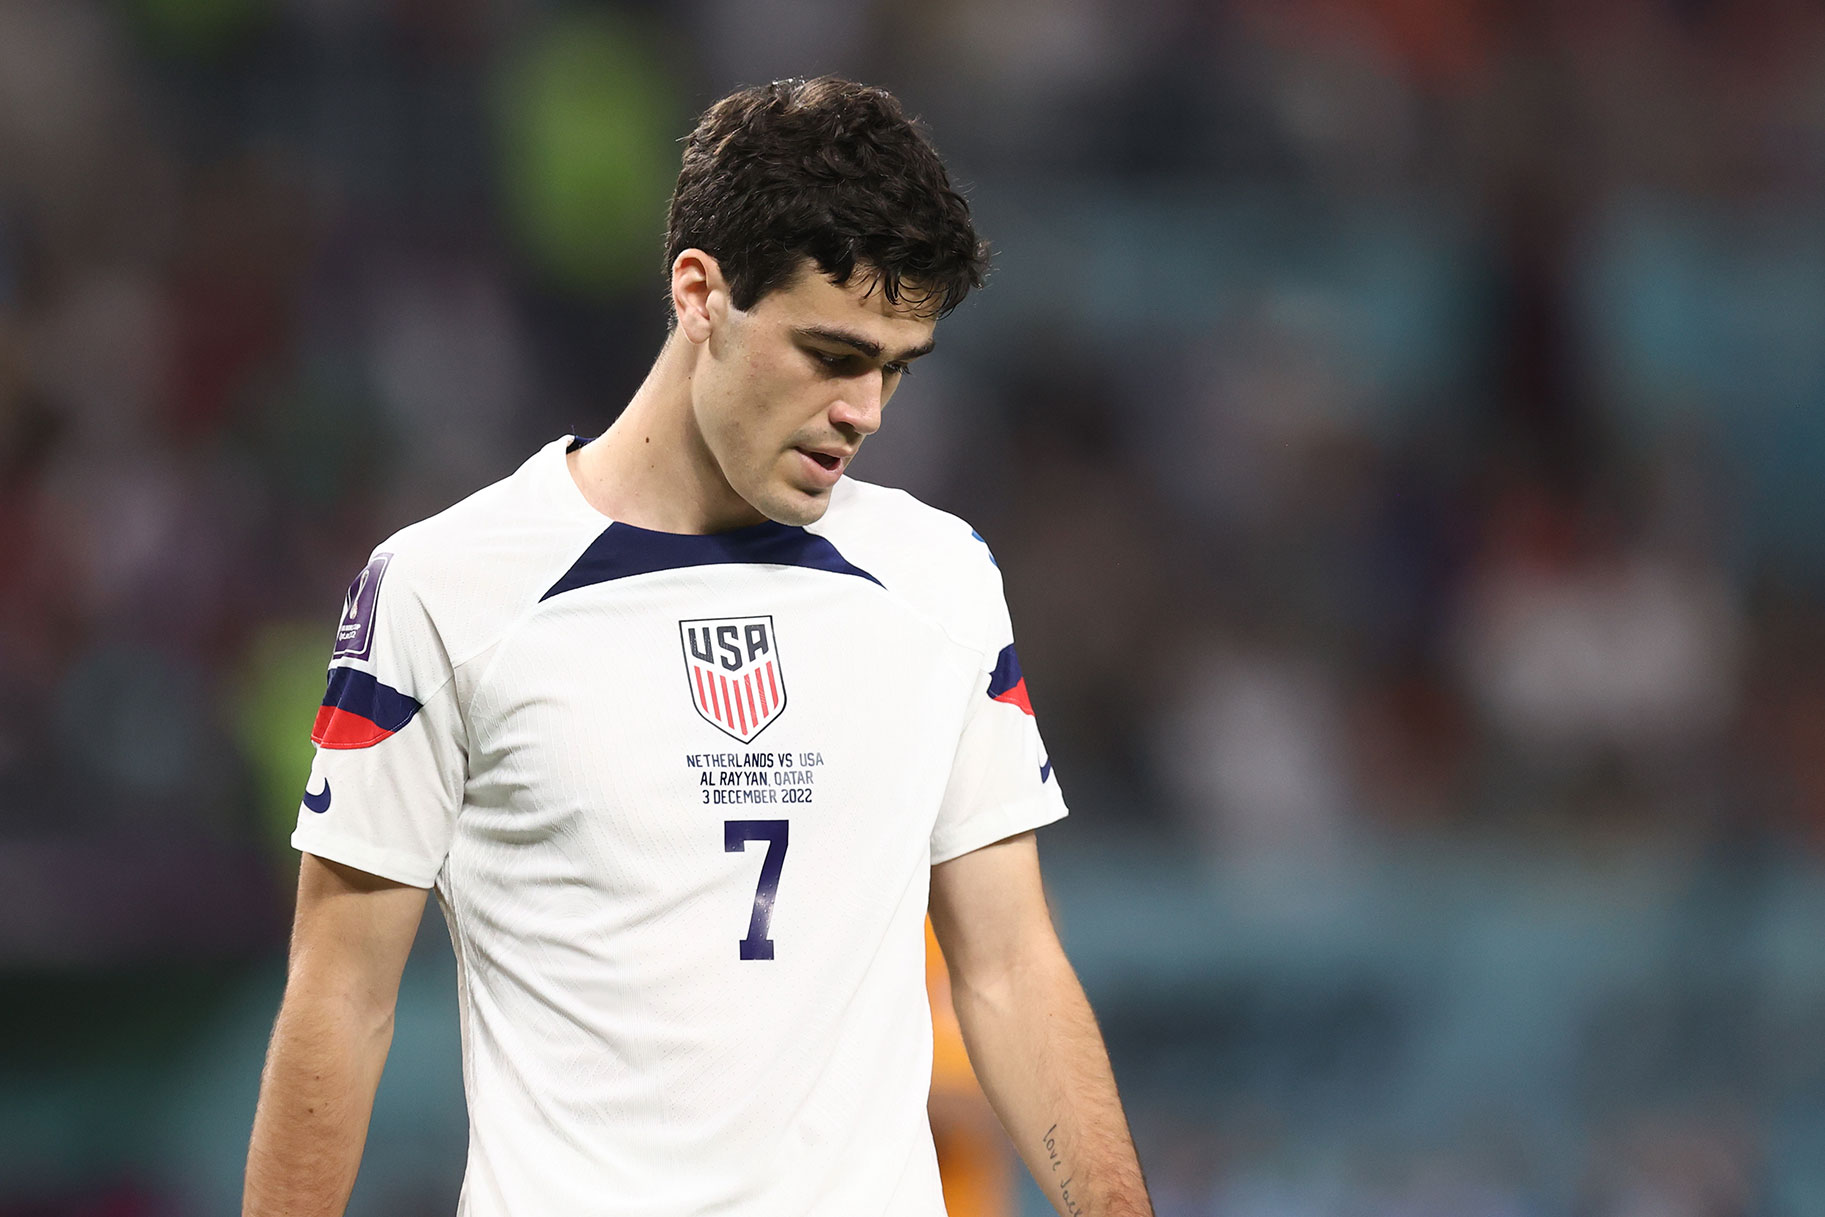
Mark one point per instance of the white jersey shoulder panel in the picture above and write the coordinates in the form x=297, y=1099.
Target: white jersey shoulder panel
x=931, y=560
x=483, y=562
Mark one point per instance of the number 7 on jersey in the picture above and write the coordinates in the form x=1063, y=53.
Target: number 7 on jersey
x=735, y=837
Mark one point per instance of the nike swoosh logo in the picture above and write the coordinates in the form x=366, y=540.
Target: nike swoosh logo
x=318, y=803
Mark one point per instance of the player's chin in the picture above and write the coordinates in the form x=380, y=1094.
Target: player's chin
x=798, y=505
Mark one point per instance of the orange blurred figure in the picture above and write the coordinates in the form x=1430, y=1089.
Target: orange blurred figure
x=974, y=1159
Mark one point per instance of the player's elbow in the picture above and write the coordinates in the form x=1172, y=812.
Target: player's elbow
x=329, y=1004
x=1004, y=983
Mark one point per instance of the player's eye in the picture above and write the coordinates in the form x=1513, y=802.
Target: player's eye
x=854, y=365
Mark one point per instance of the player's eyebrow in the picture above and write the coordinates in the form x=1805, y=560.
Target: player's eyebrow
x=866, y=346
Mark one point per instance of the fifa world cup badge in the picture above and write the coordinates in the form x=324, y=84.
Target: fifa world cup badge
x=355, y=632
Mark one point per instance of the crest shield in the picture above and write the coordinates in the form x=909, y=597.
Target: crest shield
x=732, y=667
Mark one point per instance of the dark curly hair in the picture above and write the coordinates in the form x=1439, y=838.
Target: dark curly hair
x=830, y=170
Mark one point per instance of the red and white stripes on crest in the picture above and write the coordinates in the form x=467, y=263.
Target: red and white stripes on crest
x=749, y=699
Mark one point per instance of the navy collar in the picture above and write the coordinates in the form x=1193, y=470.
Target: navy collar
x=623, y=551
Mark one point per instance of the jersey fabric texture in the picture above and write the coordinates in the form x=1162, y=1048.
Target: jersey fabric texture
x=679, y=797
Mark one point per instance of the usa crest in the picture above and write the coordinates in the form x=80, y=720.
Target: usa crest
x=732, y=666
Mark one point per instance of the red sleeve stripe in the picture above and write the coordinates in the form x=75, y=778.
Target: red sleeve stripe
x=1017, y=696
x=340, y=729
x=358, y=711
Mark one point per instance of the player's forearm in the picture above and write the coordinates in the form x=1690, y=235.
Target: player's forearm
x=316, y=1096
x=1041, y=1060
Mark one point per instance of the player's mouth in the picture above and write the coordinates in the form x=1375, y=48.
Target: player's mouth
x=825, y=468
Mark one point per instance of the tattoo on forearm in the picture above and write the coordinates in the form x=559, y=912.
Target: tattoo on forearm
x=1064, y=1184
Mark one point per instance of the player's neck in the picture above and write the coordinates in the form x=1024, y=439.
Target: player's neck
x=651, y=468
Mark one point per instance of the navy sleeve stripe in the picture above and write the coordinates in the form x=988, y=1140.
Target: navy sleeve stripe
x=1007, y=672
x=359, y=693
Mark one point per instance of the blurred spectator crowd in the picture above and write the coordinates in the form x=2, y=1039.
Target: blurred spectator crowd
x=1397, y=421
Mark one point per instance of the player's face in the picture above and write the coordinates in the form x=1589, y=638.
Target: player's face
x=792, y=386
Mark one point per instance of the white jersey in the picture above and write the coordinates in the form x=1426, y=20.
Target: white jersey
x=680, y=797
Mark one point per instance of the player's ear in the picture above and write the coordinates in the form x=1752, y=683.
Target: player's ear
x=700, y=296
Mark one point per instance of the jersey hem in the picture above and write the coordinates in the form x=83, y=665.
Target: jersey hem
x=386, y=863
x=1024, y=817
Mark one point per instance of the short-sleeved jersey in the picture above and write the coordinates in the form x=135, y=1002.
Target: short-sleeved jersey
x=679, y=797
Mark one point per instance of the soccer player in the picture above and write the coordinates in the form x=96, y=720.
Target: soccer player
x=686, y=729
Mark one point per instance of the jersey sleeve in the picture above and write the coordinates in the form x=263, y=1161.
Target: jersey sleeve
x=387, y=780
x=1001, y=781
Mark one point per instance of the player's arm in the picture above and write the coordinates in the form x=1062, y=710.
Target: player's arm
x=1030, y=1033
x=349, y=944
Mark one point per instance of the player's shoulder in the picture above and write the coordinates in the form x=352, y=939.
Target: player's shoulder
x=464, y=534
x=931, y=558
x=893, y=526
x=478, y=563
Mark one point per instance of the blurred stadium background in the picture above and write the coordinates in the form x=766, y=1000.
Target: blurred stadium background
x=1401, y=424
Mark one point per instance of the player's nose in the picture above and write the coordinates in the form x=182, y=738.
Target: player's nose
x=859, y=408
